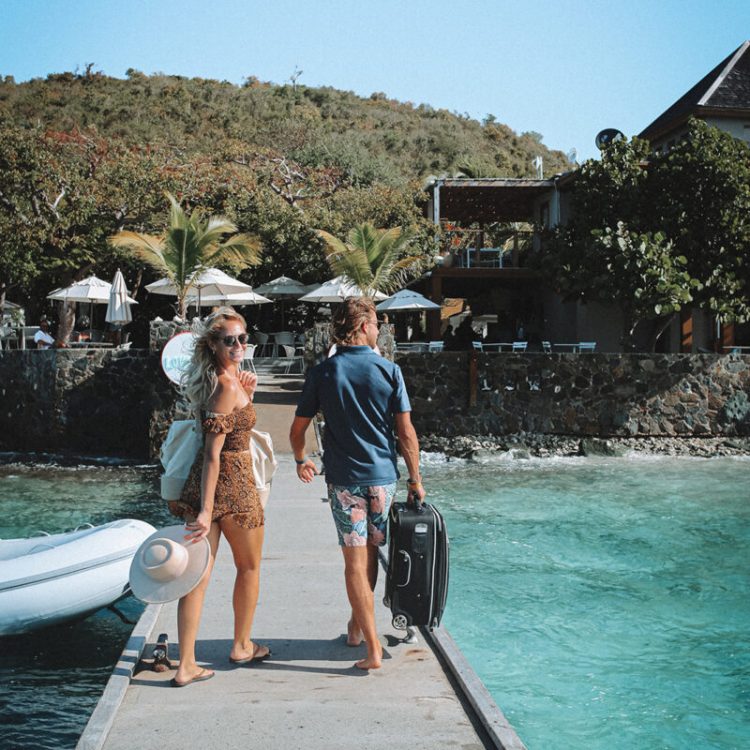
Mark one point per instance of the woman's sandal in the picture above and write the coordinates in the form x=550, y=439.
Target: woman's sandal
x=254, y=657
x=202, y=676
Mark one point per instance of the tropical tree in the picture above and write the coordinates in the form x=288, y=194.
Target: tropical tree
x=376, y=260
x=665, y=231
x=190, y=244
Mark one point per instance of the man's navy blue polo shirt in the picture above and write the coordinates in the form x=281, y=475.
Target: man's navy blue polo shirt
x=359, y=393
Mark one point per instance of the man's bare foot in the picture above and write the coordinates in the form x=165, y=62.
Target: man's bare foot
x=368, y=663
x=353, y=634
x=372, y=661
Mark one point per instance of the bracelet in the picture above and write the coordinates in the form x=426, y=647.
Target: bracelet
x=414, y=481
x=299, y=463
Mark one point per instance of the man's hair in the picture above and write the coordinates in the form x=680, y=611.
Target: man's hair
x=352, y=312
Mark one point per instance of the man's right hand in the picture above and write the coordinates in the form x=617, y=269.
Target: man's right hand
x=415, y=493
x=307, y=471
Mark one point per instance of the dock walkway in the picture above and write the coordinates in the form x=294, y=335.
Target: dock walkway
x=308, y=695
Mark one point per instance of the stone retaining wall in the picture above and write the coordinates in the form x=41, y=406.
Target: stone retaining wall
x=104, y=402
x=579, y=394
x=84, y=401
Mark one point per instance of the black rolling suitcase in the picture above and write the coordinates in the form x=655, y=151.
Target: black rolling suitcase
x=416, y=584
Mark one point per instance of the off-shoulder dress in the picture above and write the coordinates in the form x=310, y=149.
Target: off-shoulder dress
x=235, y=495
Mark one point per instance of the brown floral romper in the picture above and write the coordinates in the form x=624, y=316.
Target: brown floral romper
x=235, y=494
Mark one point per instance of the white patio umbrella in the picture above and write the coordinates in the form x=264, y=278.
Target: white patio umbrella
x=209, y=281
x=337, y=290
x=93, y=290
x=118, y=309
x=283, y=288
x=407, y=299
x=237, y=298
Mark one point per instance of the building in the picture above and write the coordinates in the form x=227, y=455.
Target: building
x=492, y=225
x=721, y=99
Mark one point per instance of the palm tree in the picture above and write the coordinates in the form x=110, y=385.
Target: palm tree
x=373, y=259
x=189, y=245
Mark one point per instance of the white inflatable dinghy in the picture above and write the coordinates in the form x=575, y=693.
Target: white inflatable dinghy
x=49, y=579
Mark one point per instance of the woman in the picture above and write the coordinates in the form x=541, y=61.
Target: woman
x=219, y=496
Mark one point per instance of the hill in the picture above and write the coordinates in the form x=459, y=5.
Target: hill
x=84, y=156
x=370, y=140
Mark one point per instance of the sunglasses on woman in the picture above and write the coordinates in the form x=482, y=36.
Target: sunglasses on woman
x=229, y=341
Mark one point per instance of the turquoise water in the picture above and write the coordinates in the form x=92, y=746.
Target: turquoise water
x=609, y=598
x=51, y=680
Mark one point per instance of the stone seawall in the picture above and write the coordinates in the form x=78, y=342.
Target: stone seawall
x=105, y=402
x=84, y=401
x=625, y=395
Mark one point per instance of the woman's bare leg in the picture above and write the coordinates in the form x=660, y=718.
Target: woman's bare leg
x=189, y=616
x=247, y=547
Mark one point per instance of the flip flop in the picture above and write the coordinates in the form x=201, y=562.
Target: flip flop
x=254, y=657
x=202, y=676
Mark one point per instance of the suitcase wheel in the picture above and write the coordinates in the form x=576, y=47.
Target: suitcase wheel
x=386, y=601
x=400, y=622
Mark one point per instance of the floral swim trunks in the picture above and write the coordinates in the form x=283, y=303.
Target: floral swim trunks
x=361, y=513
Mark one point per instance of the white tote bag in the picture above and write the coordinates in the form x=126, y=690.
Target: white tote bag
x=264, y=463
x=178, y=452
x=181, y=446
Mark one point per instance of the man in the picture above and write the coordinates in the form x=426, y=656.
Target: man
x=42, y=337
x=362, y=397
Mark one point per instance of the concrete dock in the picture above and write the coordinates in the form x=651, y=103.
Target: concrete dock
x=308, y=695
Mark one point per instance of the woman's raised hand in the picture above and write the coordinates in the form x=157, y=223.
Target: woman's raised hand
x=249, y=381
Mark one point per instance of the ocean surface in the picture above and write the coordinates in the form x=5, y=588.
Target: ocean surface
x=51, y=680
x=609, y=599
x=605, y=603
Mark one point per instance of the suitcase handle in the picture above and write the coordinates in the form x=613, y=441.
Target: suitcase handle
x=418, y=504
x=407, y=557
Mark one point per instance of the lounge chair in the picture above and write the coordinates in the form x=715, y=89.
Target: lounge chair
x=291, y=357
x=586, y=346
x=261, y=341
x=247, y=360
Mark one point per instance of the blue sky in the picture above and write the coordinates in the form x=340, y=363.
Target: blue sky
x=563, y=68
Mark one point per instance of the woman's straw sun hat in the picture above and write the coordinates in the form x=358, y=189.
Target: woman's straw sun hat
x=166, y=567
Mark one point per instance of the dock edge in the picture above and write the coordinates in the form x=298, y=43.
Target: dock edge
x=100, y=722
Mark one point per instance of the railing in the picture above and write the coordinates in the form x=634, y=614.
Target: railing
x=473, y=248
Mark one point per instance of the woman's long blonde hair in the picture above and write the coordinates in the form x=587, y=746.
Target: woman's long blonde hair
x=200, y=379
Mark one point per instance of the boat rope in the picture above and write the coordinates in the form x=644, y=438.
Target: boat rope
x=121, y=615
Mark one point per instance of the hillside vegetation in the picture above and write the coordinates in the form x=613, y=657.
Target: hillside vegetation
x=84, y=156
x=373, y=139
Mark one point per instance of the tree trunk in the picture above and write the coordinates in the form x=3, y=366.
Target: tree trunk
x=67, y=321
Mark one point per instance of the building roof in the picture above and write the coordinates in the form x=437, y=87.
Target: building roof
x=724, y=91
x=465, y=199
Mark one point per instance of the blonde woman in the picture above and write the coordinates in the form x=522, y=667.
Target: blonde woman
x=219, y=496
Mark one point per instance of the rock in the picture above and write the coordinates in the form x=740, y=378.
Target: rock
x=599, y=447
